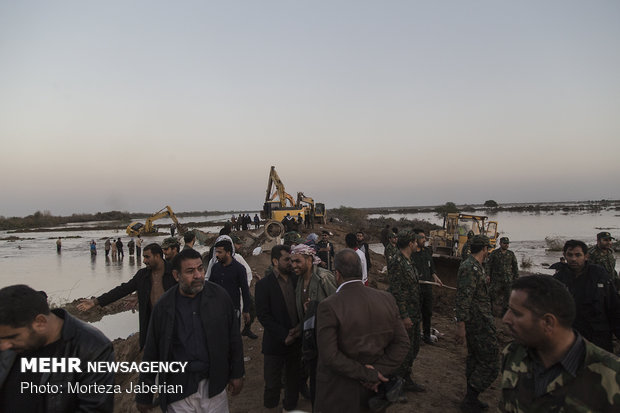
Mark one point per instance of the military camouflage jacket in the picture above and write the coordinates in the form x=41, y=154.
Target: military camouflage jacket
x=423, y=261
x=466, y=250
x=390, y=252
x=595, y=388
x=473, y=301
x=404, y=286
x=603, y=258
x=502, y=266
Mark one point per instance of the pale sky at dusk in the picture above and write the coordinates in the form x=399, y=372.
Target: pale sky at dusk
x=133, y=105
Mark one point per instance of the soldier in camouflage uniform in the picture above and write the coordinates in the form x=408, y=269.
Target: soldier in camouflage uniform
x=602, y=254
x=405, y=288
x=475, y=322
x=390, y=248
x=423, y=260
x=503, y=269
x=465, y=251
x=550, y=367
x=292, y=238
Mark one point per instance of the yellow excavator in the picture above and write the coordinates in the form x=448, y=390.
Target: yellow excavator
x=138, y=228
x=279, y=202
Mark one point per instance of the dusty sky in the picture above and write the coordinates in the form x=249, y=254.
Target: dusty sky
x=135, y=105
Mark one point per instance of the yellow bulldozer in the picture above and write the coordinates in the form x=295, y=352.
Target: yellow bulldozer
x=138, y=228
x=447, y=242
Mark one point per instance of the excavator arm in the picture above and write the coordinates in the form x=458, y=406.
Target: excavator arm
x=148, y=224
x=279, y=191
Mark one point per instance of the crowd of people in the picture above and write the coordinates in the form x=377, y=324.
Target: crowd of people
x=330, y=337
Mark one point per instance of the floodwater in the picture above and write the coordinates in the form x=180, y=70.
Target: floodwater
x=73, y=273
x=527, y=231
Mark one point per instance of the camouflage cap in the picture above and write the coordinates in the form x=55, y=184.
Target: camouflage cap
x=470, y=234
x=170, y=242
x=504, y=240
x=235, y=239
x=292, y=237
x=406, y=236
x=604, y=235
x=482, y=240
x=392, y=235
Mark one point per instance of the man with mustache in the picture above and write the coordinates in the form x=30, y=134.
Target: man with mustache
x=149, y=283
x=550, y=367
x=596, y=298
x=194, y=322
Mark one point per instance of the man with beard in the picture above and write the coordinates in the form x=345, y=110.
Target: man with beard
x=363, y=246
x=550, y=367
x=232, y=276
x=404, y=286
x=602, y=254
x=150, y=283
x=194, y=322
x=29, y=330
x=476, y=324
x=325, y=251
x=596, y=299
x=422, y=257
x=275, y=307
x=314, y=284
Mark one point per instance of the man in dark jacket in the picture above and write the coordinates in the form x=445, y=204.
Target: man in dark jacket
x=150, y=283
x=119, y=248
x=29, y=330
x=596, y=299
x=232, y=276
x=363, y=246
x=276, y=310
x=194, y=322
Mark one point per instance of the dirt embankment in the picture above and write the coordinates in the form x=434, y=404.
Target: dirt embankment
x=440, y=367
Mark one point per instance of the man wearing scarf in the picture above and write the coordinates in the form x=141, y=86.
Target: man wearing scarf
x=314, y=284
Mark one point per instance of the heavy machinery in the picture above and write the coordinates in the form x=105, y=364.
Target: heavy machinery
x=448, y=242
x=316, y=211
x=279, y=203
x=138, y=228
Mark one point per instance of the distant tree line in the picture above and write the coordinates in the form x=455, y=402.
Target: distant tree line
x=46, y=219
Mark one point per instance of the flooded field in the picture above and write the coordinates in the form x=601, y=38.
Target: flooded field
x=527, y=231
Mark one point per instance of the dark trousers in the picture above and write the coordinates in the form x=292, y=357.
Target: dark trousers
x=290, y=364
x=426, y=296
x=309, y=372
x=107, y=252
x=138, y=251
x=252, y=310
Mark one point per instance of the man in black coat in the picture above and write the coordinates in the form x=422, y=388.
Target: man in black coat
x=29, y=330
x=193, y=322
x=276, y=311
x=596, y=300
x=150, y=283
